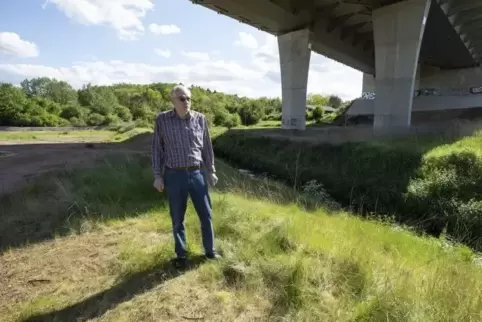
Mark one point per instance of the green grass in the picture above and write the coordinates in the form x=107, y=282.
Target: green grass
x=96, y=244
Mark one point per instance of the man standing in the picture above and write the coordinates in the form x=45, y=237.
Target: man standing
x=182, y=161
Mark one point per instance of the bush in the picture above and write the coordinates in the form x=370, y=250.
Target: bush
x=123, y=113
x=95, y=119
x=251, y=114
x=233, y=121
x=317, y=113
x=445, y=193
x=75, y=121
x=74, y=110
x=111, y=119
x=221, y=117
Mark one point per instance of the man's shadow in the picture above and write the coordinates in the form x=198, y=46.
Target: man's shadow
x=135, y=284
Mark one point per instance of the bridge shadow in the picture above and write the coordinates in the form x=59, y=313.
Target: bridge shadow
x=115, y=184
x=132, y=285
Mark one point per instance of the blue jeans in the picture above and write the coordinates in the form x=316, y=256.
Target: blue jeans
x=179, y=184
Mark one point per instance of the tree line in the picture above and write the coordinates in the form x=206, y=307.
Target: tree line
x=44, y=101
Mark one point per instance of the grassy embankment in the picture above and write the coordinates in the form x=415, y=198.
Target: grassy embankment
x=427, y=182
x=70, y=136
x=95, y=244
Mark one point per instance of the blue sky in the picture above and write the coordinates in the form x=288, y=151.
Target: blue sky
x=142, y=41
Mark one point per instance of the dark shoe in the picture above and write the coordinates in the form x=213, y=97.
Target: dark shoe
x=213, y=256
x=180, y=262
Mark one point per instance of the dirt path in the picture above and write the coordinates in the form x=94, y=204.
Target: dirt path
x=20, y=162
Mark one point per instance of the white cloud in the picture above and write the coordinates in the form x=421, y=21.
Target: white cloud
x=163, y=53
x=259, y=76
x=196, y=55
x=326, y=76
x=220, y=75
x=125, y=16
x=164, y=29
x=12, y=44
x=246, y=40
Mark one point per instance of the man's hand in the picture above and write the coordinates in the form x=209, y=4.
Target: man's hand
x=212, y=179
x=159, y=184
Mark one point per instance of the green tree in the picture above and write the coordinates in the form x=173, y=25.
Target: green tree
x=12, y=102
x=44, y=101
x=334, y=101
x=317, y=100
x=58, y=91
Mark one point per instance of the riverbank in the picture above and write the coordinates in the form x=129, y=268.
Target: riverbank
x=96, y=244
x=430, y=183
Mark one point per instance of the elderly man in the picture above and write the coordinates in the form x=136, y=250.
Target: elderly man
x=183, y=163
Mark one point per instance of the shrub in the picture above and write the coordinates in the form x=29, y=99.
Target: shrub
x=233, y=121
x=75, y=121
x=445, y=193
x=317, y=113
x=95, y=119
x=221, y=117
x=123, y=113
x=251, y=113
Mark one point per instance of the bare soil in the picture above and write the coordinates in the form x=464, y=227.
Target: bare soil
x=20, y=162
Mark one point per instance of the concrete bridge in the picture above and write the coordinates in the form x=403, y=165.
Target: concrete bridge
x=400, y=46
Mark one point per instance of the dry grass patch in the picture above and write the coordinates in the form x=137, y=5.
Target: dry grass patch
x=184, y=299
x=65, y=270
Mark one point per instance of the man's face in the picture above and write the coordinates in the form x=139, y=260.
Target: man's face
x=182, y=100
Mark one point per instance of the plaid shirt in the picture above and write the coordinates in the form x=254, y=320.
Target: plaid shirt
x=178, y=142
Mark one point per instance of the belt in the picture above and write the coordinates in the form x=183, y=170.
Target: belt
x=191, y=168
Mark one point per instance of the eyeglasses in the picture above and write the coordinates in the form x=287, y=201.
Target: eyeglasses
x=184, y=98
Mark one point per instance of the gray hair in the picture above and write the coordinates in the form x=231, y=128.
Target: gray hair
x=178, y=88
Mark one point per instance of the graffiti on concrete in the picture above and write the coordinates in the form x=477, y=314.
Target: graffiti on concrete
x=290, y=122
x=476, y=90
x=368, y=96
x=434, y=92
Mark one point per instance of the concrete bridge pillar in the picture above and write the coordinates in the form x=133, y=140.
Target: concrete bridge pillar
x=368, y=83
x=398, y=32
x=294, y=52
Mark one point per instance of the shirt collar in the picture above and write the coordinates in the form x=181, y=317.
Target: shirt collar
x=173, y=113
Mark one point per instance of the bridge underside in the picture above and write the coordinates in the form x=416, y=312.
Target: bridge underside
x=389, y=39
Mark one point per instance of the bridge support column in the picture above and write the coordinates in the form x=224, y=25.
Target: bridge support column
x=294, y=52
x=368, y=83
x=398, y=32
